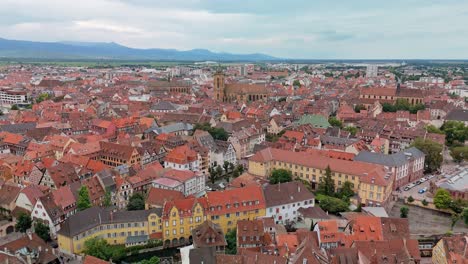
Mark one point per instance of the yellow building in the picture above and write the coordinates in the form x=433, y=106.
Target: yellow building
x=180, y=217
x=229, y=206
x=173, y=223
x=125, y=227
x=452, y=249
x=311, y=166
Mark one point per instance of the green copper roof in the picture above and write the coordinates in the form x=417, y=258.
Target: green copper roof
x=318, y=121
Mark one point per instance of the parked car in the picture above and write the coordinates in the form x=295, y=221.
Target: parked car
x=423, y=179
x=431, y=177
x=418, y=182
x=423, y=190
x=409, y=186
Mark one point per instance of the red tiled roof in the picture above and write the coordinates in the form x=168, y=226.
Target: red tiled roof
x=241, y=199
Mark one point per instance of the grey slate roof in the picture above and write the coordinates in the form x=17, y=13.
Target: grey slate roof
x=285, y=193
x=20, y=128
x=393, y=160
x=164, y=106
x=173, y=128
x=95, y=216
x=458, y=115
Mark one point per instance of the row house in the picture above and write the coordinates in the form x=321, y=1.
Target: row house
x=152, y=151
x=219, y=151
x=59, y=175
x=13, y=143
x=54, y=208
x=245, y=140
x=114, y=155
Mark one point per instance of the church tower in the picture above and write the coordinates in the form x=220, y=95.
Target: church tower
x=218, y=84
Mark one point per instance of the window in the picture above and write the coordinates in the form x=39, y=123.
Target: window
x=228, y=215
x=174, y=232
x=167, y=232
x=174, y=222
x=181, y=230
x=181, y=221
x=167, y=223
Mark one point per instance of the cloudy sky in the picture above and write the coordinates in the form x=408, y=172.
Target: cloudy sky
x=313, y=29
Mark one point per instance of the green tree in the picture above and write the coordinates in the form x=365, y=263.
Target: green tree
x=359, y=107
x=326, y=185
x=240, y=168
x=42, y=231
x=152, y=260
x=107, y=199
x=346, y=191
x=351, y=129
x=83, y=199
x=226, y=166
x=136, y=202
x=331, y=204
x=455, y=132
x=42, y=97
x=231, y=239
x=433, y=152
x=219, y=170
x=280, y=176
x=465, y=216
x=404, y=210
x=424, y=202
x=297, y=83
x=335, y=122
x=442, y=199
x=216, y=133
x=459, y=154
x=99, y=248
x=14, y=107
x=410, y=199
x=433, y=129
x=23, y=223
x=235, y=173
x=213, y=174
x=231, y=167
x=454, y=219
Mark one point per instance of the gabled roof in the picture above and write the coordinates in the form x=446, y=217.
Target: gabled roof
x=286, y=193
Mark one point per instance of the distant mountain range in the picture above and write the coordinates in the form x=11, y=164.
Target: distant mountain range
x=113, y=51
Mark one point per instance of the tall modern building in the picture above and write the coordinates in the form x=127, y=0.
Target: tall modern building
x=372, y=70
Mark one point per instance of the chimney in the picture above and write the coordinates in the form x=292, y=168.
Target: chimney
x=29, y=233
x=111, y=215
x=298, y=187
x=28, y=259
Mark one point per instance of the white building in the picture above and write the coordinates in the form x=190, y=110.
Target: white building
x=14, y=96
x=183, y=158
x=187, y=182
x=284, y=199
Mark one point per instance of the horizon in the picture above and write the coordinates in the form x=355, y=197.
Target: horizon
x=338, y=30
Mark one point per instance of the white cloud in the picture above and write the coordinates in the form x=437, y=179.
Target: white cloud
x=316, y=29
x=106, y=26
